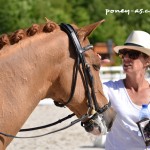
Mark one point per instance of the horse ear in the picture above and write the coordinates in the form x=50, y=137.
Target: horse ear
x=87, y=30
x=47, y=20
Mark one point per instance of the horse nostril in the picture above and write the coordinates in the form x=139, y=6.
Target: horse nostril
x=88, y=126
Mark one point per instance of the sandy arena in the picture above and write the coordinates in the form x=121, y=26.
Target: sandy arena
x=73, y=138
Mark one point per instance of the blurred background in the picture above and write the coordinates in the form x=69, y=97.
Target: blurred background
x=121, y=17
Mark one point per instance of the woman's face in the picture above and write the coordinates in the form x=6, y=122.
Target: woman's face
x=134, y=61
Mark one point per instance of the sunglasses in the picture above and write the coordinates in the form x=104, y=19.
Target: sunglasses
x=132, y=54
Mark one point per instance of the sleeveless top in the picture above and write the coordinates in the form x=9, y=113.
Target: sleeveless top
x=124, y=132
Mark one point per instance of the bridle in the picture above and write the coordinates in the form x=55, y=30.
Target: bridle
x=89, y=86
x=88, y=77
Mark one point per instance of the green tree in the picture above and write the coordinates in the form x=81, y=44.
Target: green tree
x=16, y=14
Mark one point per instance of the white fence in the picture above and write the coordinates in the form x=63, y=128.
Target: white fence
x=115, y=73
x=111, y=73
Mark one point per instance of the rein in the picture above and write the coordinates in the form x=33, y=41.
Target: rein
x=36, y=136
x=88, y=80
x=48, y=125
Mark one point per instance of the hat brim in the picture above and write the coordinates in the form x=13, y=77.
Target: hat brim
x=137, y=48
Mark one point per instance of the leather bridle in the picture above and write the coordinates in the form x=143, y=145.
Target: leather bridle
x=89, y=86
x=88, y=77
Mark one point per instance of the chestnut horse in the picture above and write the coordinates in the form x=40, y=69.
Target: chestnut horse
x=38, y=63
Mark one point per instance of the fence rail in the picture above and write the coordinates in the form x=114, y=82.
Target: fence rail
x=115, y=73
x=111, y=73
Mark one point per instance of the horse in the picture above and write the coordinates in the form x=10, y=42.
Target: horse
x=40, y=62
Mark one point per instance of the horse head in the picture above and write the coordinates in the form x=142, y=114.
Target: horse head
x=84, y=88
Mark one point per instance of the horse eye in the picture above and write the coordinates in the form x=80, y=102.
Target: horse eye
x=96, y=67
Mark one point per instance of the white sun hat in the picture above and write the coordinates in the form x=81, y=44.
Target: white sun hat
x=137, y=40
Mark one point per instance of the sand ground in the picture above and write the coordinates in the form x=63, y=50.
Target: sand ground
x=73, y=138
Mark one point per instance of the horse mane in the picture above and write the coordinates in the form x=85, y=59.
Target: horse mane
x=15, y=37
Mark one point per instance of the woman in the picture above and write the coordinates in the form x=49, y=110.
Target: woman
x=127, y=95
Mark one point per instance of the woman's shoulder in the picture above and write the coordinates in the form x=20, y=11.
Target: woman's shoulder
x=114, y=84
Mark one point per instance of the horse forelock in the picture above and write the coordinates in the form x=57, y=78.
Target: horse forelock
x=15, y=37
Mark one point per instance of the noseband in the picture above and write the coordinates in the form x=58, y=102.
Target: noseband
x=88, y=77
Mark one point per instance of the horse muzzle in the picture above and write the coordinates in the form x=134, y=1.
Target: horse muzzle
x=95, y=125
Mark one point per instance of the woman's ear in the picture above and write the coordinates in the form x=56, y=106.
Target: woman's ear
x=148, y=62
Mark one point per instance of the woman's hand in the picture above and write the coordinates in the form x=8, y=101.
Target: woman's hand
x=103, y=61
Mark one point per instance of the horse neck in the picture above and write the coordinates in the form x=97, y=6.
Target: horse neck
x=27, y=69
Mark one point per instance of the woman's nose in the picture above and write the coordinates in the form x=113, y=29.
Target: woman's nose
x=126, y=56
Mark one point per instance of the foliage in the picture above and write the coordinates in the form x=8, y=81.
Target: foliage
x=15, y=14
